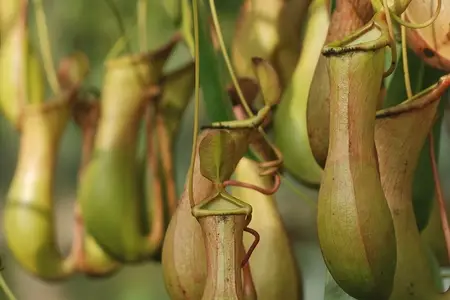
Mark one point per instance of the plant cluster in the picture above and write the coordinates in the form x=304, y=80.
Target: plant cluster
x=329, y=80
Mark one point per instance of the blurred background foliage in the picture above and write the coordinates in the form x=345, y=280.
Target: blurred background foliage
x=91, y=27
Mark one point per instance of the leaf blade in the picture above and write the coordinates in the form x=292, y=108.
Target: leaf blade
x=215, y=98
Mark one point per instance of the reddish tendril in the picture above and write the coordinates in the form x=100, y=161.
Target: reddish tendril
x=264, y=191
x=267, y=167
x=254, y=244
x=439, y=195
x=86, y=115
x=272, y=166
x=247, y=282
x=78, y=241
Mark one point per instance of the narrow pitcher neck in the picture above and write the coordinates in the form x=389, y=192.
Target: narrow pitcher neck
x=123, y=104
x=353, y=106
x=41, y=133
x=203, y=188
x=223, y=242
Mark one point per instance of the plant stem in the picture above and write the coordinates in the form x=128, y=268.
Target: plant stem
x=142, y=20
x=227, y=58
x=234, y=78
x=21, y=65
x=230, y=67
x=44, y=43
x=409, y=92
x=439, y=195
x=427, y=23
x=165, y=149
x=87, y=120
x=4, y=286
x=196, y=103
x=117, y=46
x=156, y=234
x=77, y=251
x=391, y=34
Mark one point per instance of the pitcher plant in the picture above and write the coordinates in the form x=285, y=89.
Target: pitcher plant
x=313, y=90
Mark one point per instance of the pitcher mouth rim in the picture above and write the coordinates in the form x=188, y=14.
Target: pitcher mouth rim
x=65, y=98
x=140, y=57
x=346, y=46
x=418, y=102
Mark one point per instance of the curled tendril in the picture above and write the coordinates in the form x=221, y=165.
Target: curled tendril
x=272, y=167
x=261, y=190
x=254, y=244
x=196, y=101
x=420, y=25
x=439, y=195
x=228, y=64
x=400, y=20
x=392, y=42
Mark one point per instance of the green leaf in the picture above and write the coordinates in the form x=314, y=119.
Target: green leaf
x=220, y=151
x=215, y=152
x=216, y=100
x=333, y=291
x=422, y=76
x=217, y=103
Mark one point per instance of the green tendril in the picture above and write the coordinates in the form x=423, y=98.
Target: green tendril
x=44, y=43
x=196, y=102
